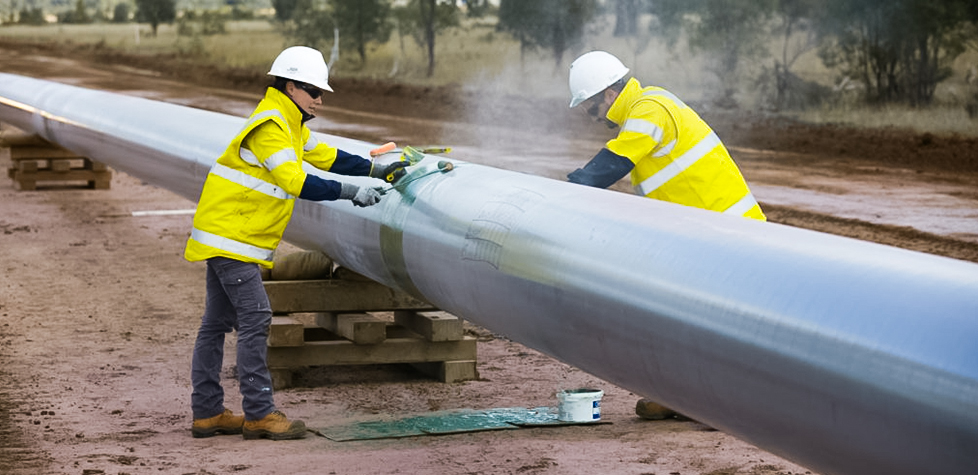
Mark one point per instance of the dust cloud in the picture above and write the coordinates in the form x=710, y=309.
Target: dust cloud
x=519, y=109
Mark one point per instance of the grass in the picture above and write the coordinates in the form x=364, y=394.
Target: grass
x=939, y=120
x=247, y=43
x=479, y=59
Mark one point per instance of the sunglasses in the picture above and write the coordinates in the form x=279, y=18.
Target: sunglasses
x=313, y=91
x=591, y=106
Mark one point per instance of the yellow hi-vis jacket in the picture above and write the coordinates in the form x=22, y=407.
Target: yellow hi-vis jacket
x=677, y=157
x=249, y=194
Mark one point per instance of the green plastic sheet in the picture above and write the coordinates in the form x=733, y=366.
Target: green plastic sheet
x=448, y=422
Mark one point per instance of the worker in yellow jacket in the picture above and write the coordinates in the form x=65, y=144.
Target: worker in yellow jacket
x=245, y=205
x=671, y=153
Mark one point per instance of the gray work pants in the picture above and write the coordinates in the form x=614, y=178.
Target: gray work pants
x=236, y=300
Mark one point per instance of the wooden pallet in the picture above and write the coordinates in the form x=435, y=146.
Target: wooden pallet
x=347, y=330
x=34, y=160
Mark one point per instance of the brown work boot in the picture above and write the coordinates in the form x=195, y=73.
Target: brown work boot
x=224, y=423
x=274, y=426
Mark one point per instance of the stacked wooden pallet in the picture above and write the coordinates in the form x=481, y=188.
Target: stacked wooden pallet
x=34, y=160
x=349, y=329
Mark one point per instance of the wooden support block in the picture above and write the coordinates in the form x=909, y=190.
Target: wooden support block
x=27, y=166
x=78, y=174
x=347, y=274
x=40, y=152
x=433, y=326
x=360, y=328
x=396, y=350
x=25, y=184
x=318, y=333
x=346, y=335
x=281, y=377
x=449, y=371
x=285, y=331
x=15, y=139
x=295, y=296
x=102, y=181
x=95, y=166
x=60, y=165
x=28, y=180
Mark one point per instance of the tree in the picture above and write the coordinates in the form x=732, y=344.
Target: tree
x=201, y=23
x=77, y=16
x=556, y=25
x=360, y=22
x=972, y=40
x=428, y=10
x=155, y=12
x=477, y=8
x=566, y=26
x=519, y=18
x=424, y=19
x=795, y=27
x=284, y=9
x=311, y=26
x=120, y=14
x=81, y=14
x=730, y=32
x=899, y=50
x=932, y=44
x=626, y=17
x=31, y=16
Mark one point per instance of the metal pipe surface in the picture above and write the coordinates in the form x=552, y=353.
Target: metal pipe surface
x=844, y=356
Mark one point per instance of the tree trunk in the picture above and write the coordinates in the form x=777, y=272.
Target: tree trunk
x=626, y=17
x=428, y=22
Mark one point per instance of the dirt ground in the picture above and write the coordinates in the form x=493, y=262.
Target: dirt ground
x=99, y=312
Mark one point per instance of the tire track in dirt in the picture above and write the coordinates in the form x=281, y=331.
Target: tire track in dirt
x=896, y=236
x=17, y=454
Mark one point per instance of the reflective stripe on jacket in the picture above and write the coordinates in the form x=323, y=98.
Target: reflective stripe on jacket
x=249, y=194
x=677, y=157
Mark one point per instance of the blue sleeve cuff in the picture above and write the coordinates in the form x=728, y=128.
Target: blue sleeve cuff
x=603, y=170
x=318, y=189
x=349, y=164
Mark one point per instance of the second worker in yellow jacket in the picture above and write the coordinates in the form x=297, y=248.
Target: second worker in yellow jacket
x=245, y=205
x=670, y=152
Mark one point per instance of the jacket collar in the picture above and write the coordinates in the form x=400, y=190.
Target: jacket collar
x=618, y=112
x=293, y=114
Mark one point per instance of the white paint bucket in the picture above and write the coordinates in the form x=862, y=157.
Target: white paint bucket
x=579, y=405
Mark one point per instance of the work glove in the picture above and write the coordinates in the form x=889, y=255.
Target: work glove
x=361, y=196
x=389, y=173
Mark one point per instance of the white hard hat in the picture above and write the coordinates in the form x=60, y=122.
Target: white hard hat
x=303, y=64
x=592, y=73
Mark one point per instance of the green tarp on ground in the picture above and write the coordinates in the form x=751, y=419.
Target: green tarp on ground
x=448, y=422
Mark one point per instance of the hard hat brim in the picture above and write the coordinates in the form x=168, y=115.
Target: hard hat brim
x=323, y=86
x=320, y=84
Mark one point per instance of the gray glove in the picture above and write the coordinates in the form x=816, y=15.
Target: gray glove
x=361, y=196
x=389, y=173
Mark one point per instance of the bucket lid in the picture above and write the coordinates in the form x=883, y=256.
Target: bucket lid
x=580, y=394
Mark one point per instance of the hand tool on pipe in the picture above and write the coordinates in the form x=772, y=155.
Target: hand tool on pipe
x=412, y=155
x=443, y=166
x=391, y=147
x=409, y=154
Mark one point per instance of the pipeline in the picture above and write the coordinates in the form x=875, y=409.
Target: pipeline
x=844, y=356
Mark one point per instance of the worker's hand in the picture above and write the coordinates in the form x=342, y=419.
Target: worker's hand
x=366, y=196
x=361, y=196
x=390, y=173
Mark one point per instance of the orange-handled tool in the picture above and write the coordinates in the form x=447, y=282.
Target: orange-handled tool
x=387, y=147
